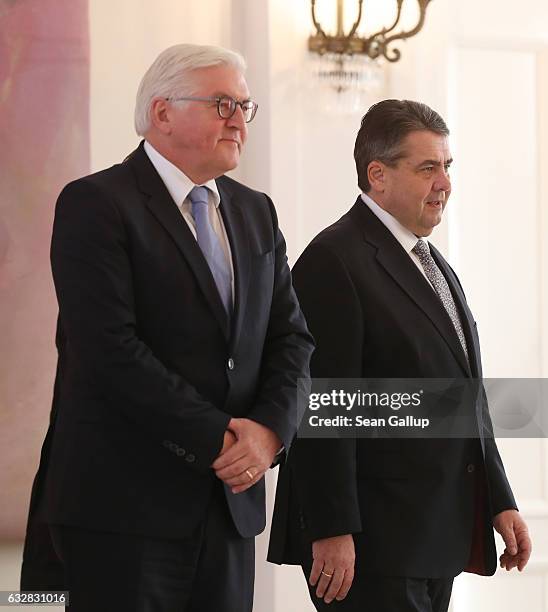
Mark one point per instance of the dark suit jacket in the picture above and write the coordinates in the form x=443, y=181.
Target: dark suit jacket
x=420, y=508
x=150, y=367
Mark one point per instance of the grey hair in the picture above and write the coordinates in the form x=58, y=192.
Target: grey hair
x=171, y=75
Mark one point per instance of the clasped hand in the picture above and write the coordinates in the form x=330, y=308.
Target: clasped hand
x=248, y=451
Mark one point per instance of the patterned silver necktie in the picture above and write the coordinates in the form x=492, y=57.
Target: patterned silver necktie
x=436, y=277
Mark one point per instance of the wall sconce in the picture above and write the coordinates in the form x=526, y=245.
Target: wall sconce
x=348, y=61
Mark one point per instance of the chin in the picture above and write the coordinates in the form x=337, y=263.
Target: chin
x=432, y=224
x=231, y=163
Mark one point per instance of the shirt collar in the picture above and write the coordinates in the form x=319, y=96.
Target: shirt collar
x=176, y=181
x=406, y=238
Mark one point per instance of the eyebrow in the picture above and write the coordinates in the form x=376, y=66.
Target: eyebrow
x=434, y=162
x=222, y=94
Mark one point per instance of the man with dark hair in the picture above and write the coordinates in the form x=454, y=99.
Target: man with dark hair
x=386, y=524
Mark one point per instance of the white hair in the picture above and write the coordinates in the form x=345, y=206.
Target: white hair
x=171, y=75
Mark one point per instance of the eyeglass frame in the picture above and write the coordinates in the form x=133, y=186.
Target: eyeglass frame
x=217, y=100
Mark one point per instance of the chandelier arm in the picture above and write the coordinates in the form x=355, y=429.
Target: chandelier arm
x=357, y=22
x=385, y=31
x=315, y=21
x=409, y=33
x=383, y=42
x=396, y=54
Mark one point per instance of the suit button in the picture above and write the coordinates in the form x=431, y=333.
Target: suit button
x=173, y=447
x=166, y=443
x=181, y=452
x=230, y=363
x=190, y=458
x=470, y=468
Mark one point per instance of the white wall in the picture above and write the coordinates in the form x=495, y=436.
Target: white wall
x=499, y=243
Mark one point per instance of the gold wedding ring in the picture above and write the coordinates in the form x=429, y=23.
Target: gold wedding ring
x=250, y=475
x=326, y=574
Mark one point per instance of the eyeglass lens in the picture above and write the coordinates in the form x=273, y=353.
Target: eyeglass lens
x=227, y=107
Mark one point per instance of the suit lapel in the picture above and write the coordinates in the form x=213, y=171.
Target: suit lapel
x=397, y=263
x=236, y=230
x=162, y=206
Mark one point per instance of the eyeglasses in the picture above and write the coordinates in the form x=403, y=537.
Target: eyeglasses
x=226, y=106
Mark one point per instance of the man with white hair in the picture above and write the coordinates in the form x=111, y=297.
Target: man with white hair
x=180, y=344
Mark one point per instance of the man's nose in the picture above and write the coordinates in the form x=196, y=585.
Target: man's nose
x=443, y=181
x=237, y=119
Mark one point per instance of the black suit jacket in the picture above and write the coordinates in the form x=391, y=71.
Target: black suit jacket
x=150, y=367
x=420, y=508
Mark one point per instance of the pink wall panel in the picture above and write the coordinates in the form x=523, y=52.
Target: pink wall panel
x=44, y=143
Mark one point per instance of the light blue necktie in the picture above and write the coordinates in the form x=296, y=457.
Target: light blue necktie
x=211, y=247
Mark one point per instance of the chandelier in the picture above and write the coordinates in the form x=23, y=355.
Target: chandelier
x=347, y=61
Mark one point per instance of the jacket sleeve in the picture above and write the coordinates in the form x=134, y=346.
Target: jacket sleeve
x=92, y=271
x=500, y=492
x=324, y=470
x=286, y=352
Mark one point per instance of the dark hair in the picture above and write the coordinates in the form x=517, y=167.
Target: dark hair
x=384, y=127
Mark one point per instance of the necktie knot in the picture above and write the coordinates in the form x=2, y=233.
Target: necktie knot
x=421, y=250
x=198, y=196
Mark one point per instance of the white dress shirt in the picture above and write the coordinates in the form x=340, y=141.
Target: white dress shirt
x=179, y=186
x=406, y=238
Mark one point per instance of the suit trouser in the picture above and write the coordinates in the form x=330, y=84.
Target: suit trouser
x=389, y=594
x=211, y=570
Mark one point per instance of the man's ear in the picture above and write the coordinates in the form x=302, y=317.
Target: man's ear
x=376, y=174
x=160, y=115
